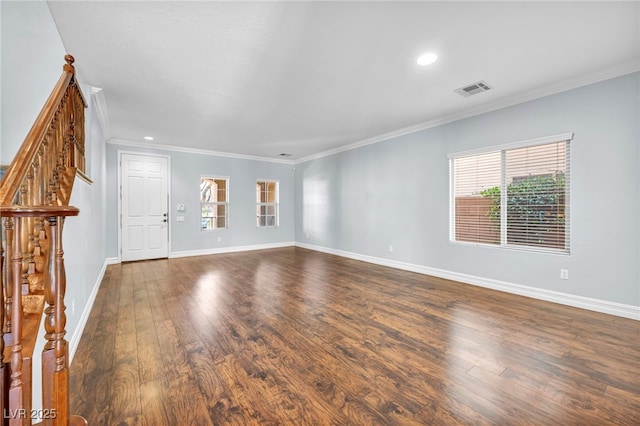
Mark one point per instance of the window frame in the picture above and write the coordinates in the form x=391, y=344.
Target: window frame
x=216, y=203
x=260, y=204
x=503, y=149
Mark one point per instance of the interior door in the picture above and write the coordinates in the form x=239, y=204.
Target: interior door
x=144, y=207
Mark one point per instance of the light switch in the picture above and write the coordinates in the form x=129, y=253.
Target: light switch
x=179, y=218
x=180, y=207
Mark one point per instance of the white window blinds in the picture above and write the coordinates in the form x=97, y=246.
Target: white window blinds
x=516, y=196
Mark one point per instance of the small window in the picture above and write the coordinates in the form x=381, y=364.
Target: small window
x=267, y=203
x=515, y=197
x=214, y=202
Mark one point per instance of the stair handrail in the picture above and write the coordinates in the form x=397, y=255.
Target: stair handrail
x=18, y=169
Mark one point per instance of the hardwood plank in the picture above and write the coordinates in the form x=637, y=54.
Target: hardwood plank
x=125, y=404
x=155, y=400
x=292, y=336
x=91, y=396
x=188, y=403
x=150, y=362
x=215, y=394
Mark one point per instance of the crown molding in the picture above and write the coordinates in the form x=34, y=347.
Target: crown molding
x=563, y=86
x=101, y=110
x=174, y=148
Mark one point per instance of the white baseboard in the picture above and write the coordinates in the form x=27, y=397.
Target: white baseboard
x=77, y=334
x=597, y=305
x=189, y=253
x=112, y=260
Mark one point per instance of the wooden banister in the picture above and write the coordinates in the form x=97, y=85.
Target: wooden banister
x=26, y=154
x=34, y=198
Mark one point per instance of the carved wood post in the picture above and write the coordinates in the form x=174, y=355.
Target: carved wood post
x=8, y=289
x=3, y=371
x=36, y=200
x=16, y=391
x=79, y=161
x=71, y=143
x=29, y=224
x=24, y=237
x=54, y=357
x=47, y=175
x=52, y=159
x=48, y=358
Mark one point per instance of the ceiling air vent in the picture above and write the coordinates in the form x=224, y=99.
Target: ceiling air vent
x=473, y=89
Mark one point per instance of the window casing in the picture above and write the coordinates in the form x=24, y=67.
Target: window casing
x=214, y=203
x=267, y=203
x=515, y=196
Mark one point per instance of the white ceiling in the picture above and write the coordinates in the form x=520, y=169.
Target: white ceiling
x=264, y=78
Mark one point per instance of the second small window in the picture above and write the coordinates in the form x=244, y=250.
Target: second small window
x=267, y=200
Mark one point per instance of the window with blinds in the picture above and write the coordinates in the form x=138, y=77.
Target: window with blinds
x=513, y=196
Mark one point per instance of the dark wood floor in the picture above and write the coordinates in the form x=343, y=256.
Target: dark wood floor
x=291, y=336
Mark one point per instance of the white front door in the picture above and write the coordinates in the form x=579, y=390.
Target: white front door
x=144, y=207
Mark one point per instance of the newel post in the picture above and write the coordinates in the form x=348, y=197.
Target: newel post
x=17, y=397
x=4, y=400
x=55, y=372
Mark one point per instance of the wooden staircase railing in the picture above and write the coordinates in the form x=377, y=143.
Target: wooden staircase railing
x=34, y=202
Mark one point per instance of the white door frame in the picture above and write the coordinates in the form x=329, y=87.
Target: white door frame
x=119, y=196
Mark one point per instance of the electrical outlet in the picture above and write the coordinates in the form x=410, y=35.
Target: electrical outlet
x=219, y=239
x=73, y=308
x=564, y=274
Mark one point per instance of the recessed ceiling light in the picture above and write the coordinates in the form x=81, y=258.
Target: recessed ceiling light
x=148, y=138
x=427, y=58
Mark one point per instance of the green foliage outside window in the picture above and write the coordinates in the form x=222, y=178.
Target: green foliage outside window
x=535, y=209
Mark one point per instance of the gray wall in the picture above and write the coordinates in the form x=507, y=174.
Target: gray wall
x=32, y=59
x=85, y=235
x=397, y=193
x=186, y=170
